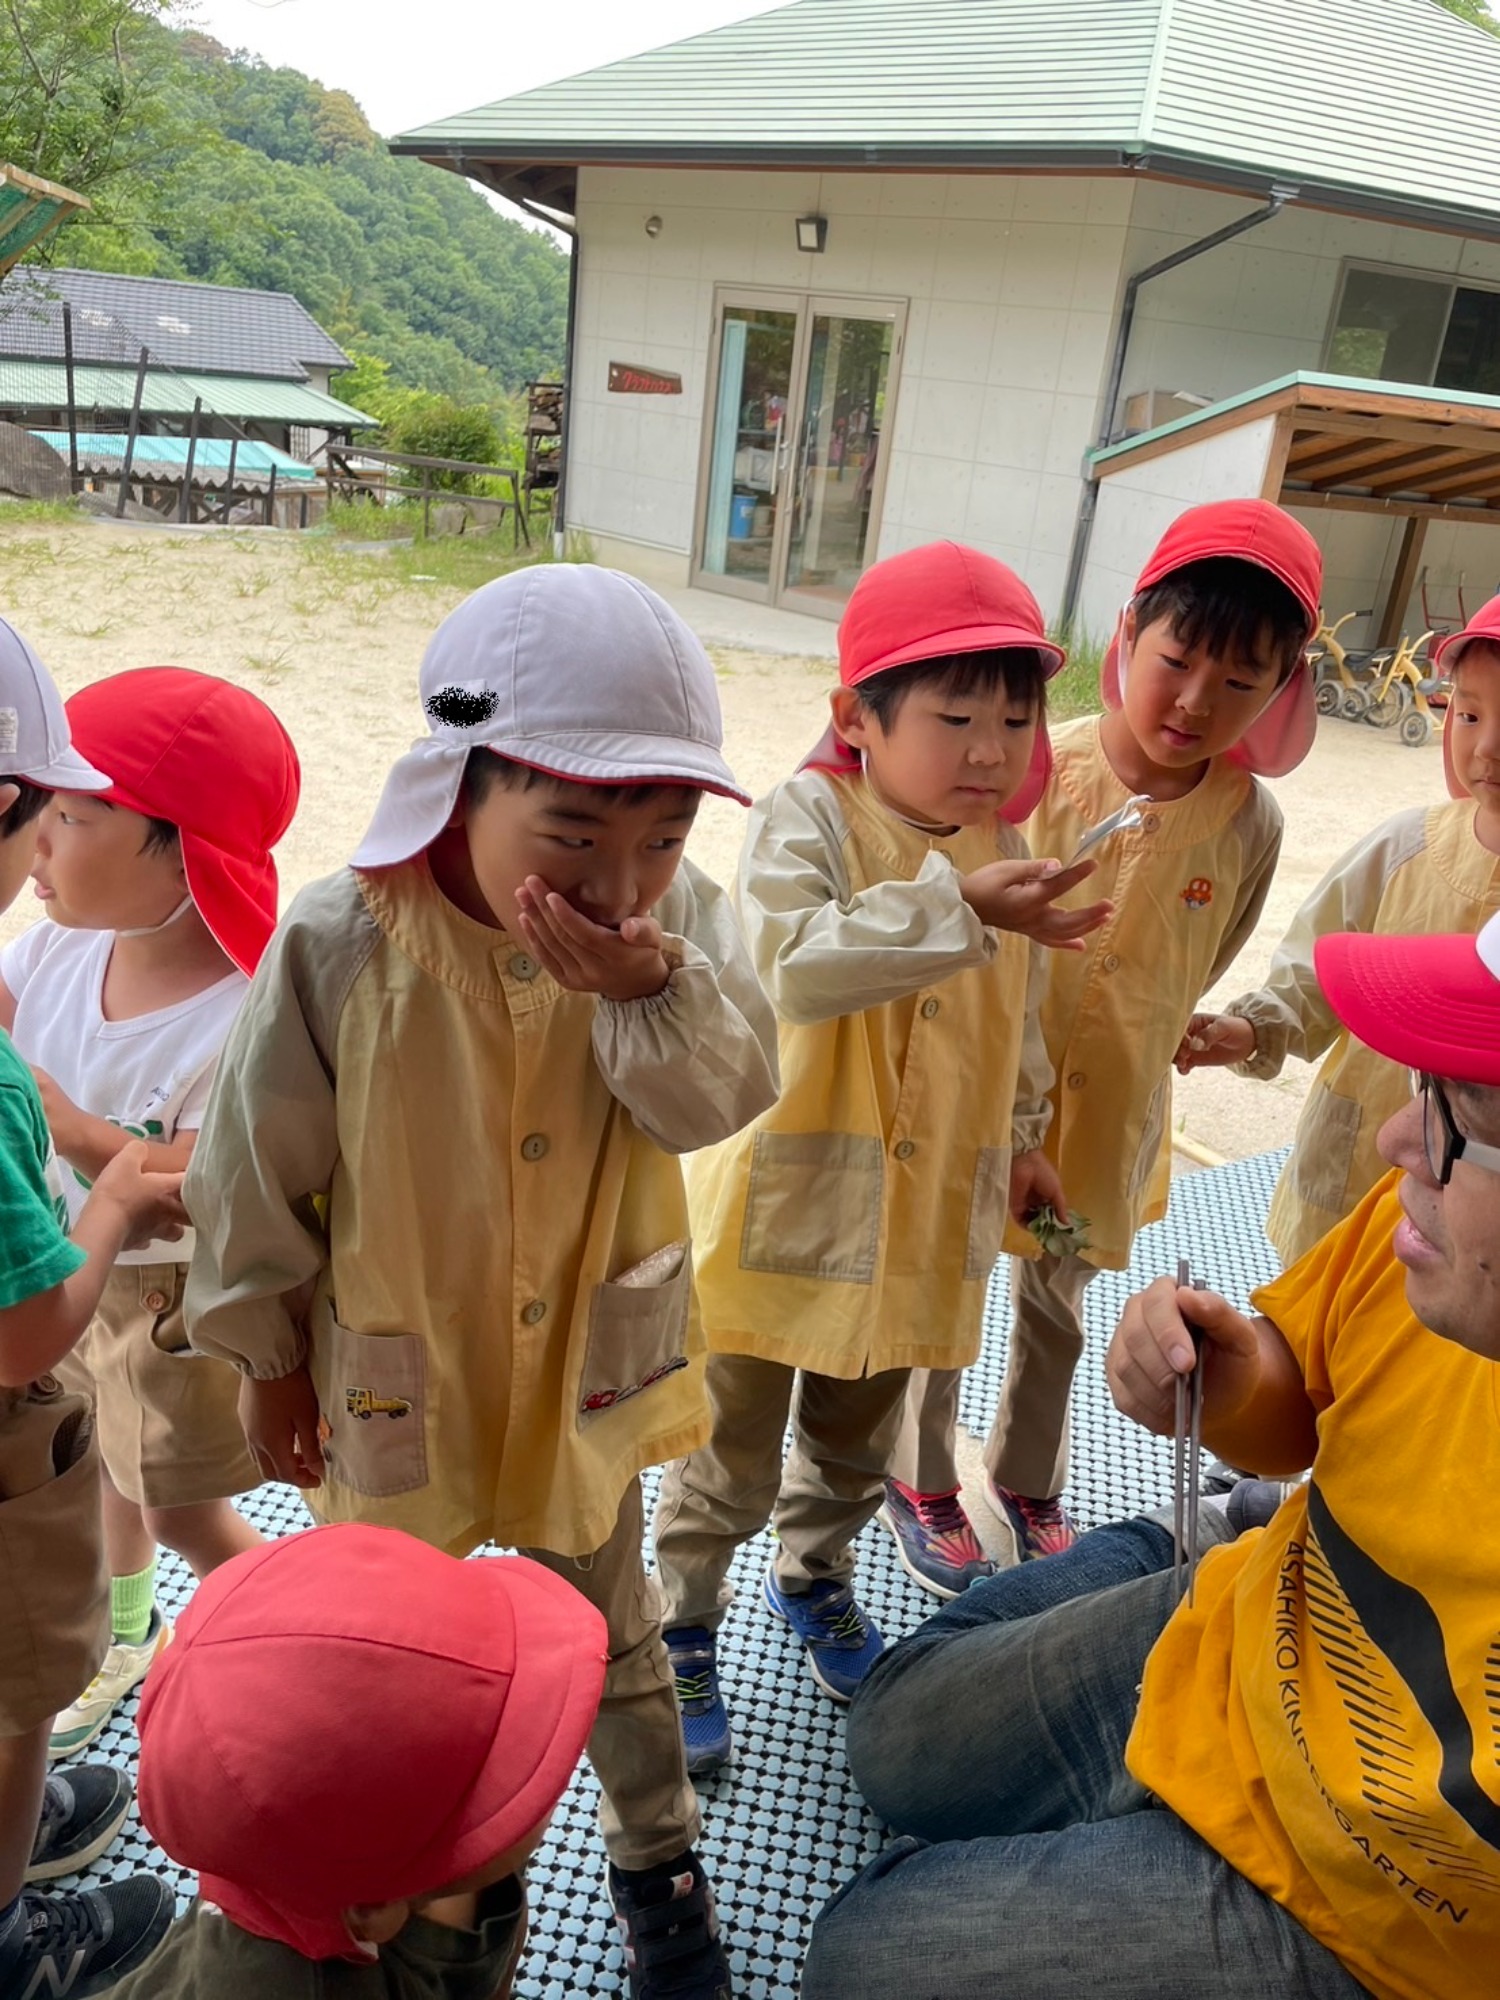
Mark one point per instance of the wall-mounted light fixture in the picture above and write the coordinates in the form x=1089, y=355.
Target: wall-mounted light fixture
x=653, y=225
x=812, y=232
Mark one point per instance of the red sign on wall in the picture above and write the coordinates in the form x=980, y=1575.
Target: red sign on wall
x=627, y=380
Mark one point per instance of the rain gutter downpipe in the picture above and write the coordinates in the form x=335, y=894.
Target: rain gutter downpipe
x=1083, y=526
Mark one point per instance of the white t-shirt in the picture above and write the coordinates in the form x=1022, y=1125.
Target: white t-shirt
x=150, y=1076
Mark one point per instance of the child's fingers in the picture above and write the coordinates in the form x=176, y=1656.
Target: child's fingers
x=644, y=933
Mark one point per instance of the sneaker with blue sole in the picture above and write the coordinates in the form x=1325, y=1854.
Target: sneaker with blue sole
x=841, y=1640
x=705, y=1720
x=935, y=1539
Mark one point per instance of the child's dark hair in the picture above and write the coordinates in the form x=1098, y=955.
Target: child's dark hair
x=1020, y=670
x=23, y=810
x=485, y=769
x=1231, y=608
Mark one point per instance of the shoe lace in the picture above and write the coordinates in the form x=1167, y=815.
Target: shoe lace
x=846, y=1624
x=1045, y=1514
x=58, y=1925
x=694, y=1687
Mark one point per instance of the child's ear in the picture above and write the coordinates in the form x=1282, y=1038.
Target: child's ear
x=8, y=795
x=852, y=721
x=1130, y=626
x=376, y=1923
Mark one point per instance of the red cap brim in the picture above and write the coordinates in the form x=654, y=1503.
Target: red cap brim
x=1430, y=1003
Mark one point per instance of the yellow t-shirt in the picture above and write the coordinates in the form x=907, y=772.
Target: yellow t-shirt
x=1327, y=1715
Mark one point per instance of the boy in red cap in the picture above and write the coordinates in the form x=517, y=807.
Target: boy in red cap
x=54, y=1624
x=160, y=895
x=441, y=1220
x=1206, y=690
x=845, y=1238
x=1435, y=869
x=395, y=1729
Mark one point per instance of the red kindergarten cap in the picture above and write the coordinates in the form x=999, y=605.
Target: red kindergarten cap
x=1446, y=655
x=1431, y=1003
x=347, y=1716
x=211, y=758
x=924, y=604
x=1256, y=532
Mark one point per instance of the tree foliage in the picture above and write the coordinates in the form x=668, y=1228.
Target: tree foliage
x=1474, y=11
x=209, y=164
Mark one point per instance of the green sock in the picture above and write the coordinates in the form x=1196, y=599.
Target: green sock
x=130, y=1602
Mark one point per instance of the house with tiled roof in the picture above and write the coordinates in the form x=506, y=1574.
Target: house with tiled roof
x=856, y=274
x=256, y=363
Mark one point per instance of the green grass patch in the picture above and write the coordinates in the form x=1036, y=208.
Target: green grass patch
x=22, y=513
x=1076, y=689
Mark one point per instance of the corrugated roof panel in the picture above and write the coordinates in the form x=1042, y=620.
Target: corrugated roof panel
x=1353, y=93
x=882, y=72
x=30, y=209
x=252, y=460
x=43, y=385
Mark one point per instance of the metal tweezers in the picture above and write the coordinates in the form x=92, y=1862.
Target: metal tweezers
x=1122, y=820
x=1187, y=1452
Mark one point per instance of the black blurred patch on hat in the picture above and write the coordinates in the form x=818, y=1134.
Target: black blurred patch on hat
x=462, y=708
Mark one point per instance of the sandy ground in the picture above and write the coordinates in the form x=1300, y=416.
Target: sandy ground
x=333, y=644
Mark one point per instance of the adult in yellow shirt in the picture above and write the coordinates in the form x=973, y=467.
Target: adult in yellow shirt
x=1290, y=1786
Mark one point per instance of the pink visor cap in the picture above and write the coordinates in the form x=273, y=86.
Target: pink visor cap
x=1250, y=531
x=1446, y=655
x=1430, y=1003
x=923, y=605
x=578, y=671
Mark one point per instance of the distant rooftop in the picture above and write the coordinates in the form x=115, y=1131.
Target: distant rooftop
x=207, y=329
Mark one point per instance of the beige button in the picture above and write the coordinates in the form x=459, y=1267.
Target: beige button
x=534, y=1313
x=904, y=1149
x=929, y=1008
x=1077, y=1080
x=1112, y=962
x=1150, y=822
x=534, y=1146
x=155, y=1302
x=522, y=966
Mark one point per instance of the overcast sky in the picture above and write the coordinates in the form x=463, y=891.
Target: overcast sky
x=409, y=64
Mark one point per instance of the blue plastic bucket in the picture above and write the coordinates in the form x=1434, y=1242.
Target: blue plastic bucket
x=741, y=517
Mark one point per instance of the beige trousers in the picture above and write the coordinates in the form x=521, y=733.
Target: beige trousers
x=648, y=1812
x=843, y=1434
x=1027, y=1448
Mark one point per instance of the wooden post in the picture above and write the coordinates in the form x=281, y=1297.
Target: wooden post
x=133, y=433
x=302, y=508
x=426, y=501
x=185, y=498
x=67, y=319
x=234, y=447
x=1404, y=581
x=271, y=500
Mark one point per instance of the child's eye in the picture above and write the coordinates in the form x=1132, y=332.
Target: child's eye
x=668, y=844
x=1465, y=715
x=573, y=842
x=1242, y=687
x=1018, y=721
x=955, y=721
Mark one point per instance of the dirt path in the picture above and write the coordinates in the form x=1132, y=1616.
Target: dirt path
x=332, y=643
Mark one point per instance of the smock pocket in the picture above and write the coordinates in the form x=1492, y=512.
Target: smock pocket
x=812, y=1209
x=1324, y=1154
x=375, y=1411
x=1151, y=1136
x=637, y=1331
x=989, y=1211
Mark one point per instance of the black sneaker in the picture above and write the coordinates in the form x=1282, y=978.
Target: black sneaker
x=670, y=1931
x=82, y=1811
x=76, y=1944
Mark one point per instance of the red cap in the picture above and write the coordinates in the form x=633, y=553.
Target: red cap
x=927, y=603
x=348, y=1716
x=1251, y=531
x=1485, y=624
x=1432, y=1003
x=214, y=760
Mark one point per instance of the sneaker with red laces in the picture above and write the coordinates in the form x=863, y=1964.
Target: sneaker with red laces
x=1041, y=1527
x=934, y=1539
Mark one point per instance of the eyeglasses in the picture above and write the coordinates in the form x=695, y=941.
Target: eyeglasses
x=1441, y=1137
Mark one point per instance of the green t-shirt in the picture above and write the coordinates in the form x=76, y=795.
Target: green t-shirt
x=35, y=1253
x=205, y=1954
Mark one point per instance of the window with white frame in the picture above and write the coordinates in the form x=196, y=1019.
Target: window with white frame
x=1410, y=326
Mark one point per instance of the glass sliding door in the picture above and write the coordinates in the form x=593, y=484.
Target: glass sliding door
x=793, y=472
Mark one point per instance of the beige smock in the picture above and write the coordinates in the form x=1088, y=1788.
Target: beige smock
x=1188, y=885
x=852, y=1227
x=1422, y=870
x=494, y=1155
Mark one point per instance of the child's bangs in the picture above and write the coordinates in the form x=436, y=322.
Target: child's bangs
x=1230, y=609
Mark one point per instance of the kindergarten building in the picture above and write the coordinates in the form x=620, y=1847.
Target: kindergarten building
x=856, y=274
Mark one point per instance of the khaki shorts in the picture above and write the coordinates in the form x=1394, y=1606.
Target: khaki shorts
x=54, y=1582
x=169, y=1427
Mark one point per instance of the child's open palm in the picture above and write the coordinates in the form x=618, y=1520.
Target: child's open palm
x=627, y=964
x=1021, y=896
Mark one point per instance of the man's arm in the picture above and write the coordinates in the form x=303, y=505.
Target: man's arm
x=1257, y=1412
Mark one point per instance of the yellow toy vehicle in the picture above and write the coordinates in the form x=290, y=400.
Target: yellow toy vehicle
x=364, y=1404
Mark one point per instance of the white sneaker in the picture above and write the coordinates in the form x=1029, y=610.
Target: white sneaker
x=125, y=1667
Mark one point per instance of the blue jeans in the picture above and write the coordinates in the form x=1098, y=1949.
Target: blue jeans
x=1040, y=1869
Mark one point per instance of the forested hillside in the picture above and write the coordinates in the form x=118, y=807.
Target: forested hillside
x=219, y=168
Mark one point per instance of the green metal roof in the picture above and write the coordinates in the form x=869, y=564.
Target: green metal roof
x=43, y=385
x=1391, y=105
x=30, y=208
